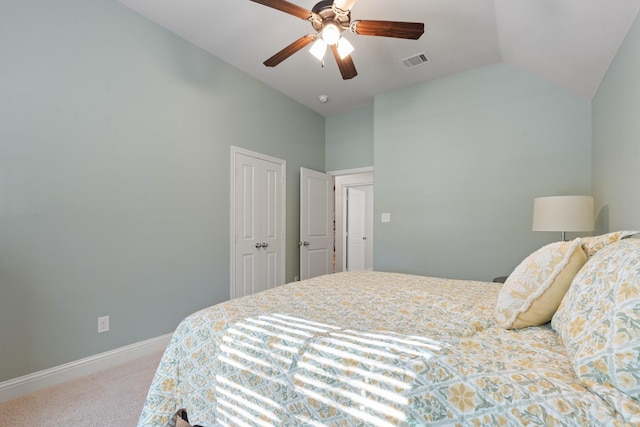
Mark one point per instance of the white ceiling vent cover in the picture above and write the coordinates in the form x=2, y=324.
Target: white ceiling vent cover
x=414, y=61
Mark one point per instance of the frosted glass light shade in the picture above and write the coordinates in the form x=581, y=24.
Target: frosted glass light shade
x=344, y=48
x=344, y=4
x=330, y=34
x=318, y=49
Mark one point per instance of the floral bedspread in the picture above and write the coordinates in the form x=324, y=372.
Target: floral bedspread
x=368, y=348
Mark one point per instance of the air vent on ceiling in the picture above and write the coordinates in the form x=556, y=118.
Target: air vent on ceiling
x=415, y=60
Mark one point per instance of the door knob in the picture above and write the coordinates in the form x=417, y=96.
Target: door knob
x=258, y=245
x=306, y=243
x=264, y=245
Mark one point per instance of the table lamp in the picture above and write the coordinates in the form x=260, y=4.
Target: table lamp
x=563, y=213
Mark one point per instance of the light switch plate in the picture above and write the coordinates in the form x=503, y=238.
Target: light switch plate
x=385, y=217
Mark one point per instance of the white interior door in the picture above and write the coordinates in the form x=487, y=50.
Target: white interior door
x=273, y=226
x=356, y=229
x=316, y=223
x=368, y=258
x=342, y=181
x=257, y=222
x=247, y=255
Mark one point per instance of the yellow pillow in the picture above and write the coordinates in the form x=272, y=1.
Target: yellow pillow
x=532, y=293
x=593, y=244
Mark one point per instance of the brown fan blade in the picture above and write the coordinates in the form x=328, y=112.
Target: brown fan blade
x=286, y=7
x=400, y=30
x=289, y=50
x=346, y=66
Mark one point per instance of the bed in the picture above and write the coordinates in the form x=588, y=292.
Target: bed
x=557, y=344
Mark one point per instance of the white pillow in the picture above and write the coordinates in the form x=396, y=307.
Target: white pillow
x=533, y=292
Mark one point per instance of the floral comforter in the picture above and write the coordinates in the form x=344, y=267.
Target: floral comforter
x=368, y=348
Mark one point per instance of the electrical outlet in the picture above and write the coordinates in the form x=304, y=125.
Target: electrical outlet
x=103, y=324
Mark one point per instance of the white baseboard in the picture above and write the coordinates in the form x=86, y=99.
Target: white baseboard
x=69, y=371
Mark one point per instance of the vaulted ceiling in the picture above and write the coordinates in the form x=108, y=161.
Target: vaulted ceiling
x=569, y=43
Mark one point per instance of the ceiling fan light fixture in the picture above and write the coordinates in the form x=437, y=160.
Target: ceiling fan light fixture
x=329, y=18
x=344, y=48
x=318, y=49
x=330, y=34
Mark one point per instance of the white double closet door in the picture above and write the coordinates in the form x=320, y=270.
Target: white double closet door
x=258, y=222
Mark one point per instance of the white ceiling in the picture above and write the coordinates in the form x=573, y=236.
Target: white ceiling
x=570, y=43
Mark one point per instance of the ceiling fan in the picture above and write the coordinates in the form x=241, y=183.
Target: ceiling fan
x=330, y=18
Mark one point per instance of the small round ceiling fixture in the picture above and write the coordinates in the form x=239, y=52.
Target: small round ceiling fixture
x=323, y=98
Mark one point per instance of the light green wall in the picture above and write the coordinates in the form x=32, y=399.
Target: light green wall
x=349, y=140
x=114, y=172
x=616, y=139
x=115, y=143
x=458, y=162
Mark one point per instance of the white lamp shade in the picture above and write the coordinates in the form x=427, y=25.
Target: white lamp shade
x=344, y=48
x=318, y=49
x=563, y=213
x=330, y=34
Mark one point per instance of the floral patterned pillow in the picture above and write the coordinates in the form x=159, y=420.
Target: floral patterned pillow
x=599, y=321
x=533, y=292
x=593, y=244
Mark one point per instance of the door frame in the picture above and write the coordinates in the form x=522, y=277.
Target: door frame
x=348, y=178
x=232, y=218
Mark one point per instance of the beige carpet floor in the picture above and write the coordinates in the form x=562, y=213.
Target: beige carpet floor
x=112, y=397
